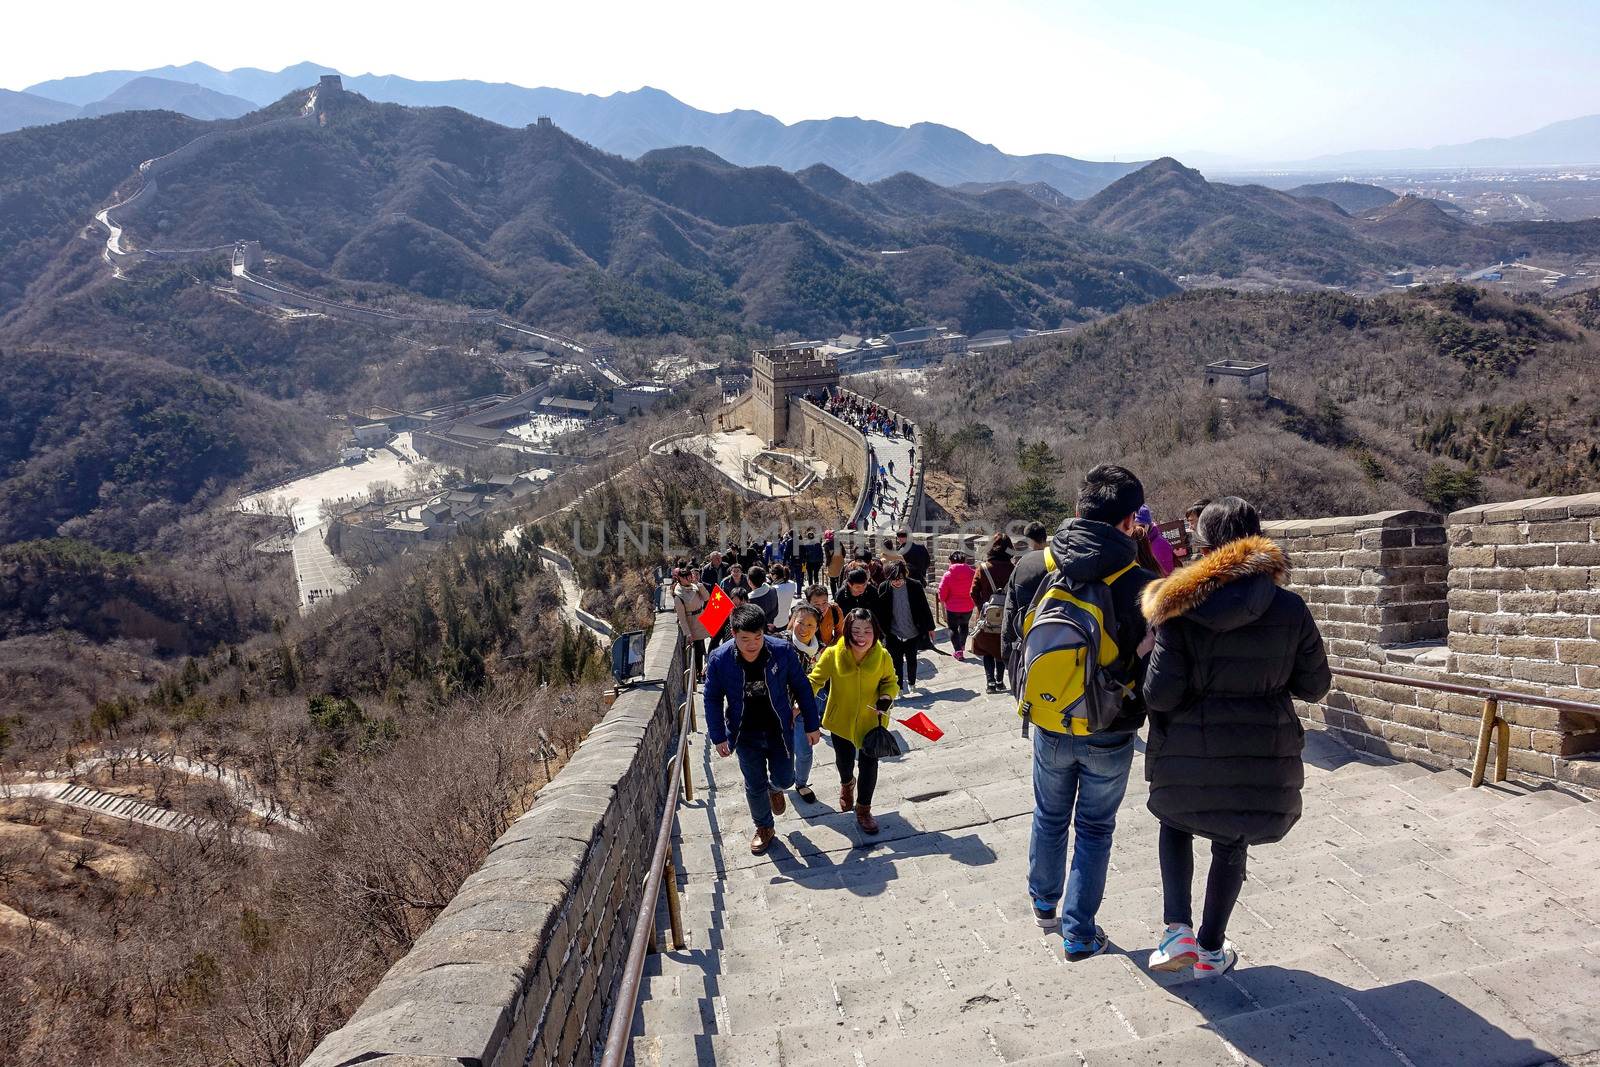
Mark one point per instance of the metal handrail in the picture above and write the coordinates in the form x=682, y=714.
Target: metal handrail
x=661, y=871
x=1491, y=726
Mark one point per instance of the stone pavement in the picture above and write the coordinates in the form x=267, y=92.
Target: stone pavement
x=893, y=514
x=1406, y=920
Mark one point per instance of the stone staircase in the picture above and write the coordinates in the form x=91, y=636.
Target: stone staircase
x=1407, y=920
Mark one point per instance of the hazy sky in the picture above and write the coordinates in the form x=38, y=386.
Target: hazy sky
x=1127, y=80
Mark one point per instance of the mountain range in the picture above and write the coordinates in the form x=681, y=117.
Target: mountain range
x=135, y=93
x=632, y=123
x=399, y=205
x=1571, y=141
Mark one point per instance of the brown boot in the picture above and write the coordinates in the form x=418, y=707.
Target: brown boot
x=864, y=819
x=779, y=805
x=847, y=795
x=759, y=843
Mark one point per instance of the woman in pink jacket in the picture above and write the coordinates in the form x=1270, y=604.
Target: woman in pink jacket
x=955, y=597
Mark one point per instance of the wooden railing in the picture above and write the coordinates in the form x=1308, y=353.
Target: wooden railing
x=1491, y=726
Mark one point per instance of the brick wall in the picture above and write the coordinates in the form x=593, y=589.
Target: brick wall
x=521, y=967
x=1370, y=580
x=1502, y=596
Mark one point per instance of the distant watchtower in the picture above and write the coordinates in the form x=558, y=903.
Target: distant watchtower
x=783, y=373
x=545, y=123
x=329, y=85
x=1238, y=377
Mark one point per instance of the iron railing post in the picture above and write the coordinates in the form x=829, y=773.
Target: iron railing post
x=674, y=907
x=1480, y=755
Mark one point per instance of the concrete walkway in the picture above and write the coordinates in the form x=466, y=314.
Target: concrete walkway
x=135, y=811
x=318, y=573
x=1406, y=921
x=897, y=487
x=239, y=786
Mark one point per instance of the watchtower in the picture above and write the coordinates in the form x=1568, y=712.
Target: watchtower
x=1237, y=376
x=783, y=373
x=329, y=85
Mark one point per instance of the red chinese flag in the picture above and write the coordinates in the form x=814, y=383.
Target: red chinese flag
x=717, y=610
x=923, y=725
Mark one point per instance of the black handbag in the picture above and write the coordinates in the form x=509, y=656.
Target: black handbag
x=880, y=743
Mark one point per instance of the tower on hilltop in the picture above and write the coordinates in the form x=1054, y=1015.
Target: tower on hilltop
x=781, y=374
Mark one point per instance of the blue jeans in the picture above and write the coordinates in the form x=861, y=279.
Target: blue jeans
x=802, y=753
x=1075, y=780
x=767, y=765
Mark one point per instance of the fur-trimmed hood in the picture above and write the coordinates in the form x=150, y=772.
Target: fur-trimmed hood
x=1218, y=590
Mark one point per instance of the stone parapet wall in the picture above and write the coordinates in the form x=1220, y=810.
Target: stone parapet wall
x=523, y=965
x=1505, y=596
x=1370, y=580
x=832, y=440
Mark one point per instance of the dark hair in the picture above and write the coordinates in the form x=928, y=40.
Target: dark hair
x=748, y=618
x=739, y=593
x=1224, y=520
x=816, y=590
x=860, y=615
x=1036, y=531
x=894, y=571
x=902, y=533
x=735, y=565
x=802, y=608
x=1000, y=546
x=958, y=556
x=1144, y=553
x=758, y=574
x=1109, y=494
x=888, y=542
x=1197, y=507
x=779, y=571
x=854, y=575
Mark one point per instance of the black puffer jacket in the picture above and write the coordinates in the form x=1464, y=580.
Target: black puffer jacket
x=1232, y=648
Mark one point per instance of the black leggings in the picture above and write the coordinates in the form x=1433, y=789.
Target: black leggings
x=904, y=654
x=1176, y=850
x=866, y=776
x=960, y=624
x=994, y=669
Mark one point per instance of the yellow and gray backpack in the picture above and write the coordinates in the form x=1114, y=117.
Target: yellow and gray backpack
x=1059, y=671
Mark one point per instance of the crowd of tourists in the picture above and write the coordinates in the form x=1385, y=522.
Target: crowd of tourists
x=1103, y=627
x=863, y=414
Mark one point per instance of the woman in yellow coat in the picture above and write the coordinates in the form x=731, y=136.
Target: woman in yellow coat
x=861, y=685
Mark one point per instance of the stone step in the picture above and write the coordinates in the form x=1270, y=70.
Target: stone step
x=704, y=1050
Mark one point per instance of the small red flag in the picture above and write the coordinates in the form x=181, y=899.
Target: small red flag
x=923, y=725
x=717, y=610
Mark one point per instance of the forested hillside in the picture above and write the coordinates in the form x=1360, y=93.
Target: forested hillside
x=1434, y=398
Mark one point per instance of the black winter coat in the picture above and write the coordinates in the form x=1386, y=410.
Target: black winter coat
x=917, y=600
x=1232, y=649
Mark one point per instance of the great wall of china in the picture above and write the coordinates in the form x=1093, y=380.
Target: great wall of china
x=248, y=259
x=524, y=964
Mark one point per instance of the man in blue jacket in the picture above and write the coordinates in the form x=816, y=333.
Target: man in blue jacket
x=752, y=684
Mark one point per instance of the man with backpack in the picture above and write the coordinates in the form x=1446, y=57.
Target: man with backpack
x=1076, y=644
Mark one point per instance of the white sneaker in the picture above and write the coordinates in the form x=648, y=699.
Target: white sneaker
x=1178, y=949
x=1216, y=964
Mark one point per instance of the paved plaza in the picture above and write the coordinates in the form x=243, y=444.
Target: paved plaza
x=302, y=499
x=732, y=450
x=1407, y=920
